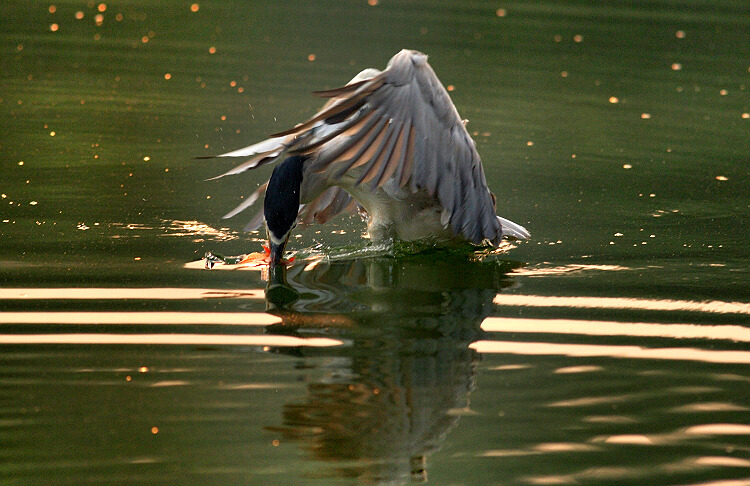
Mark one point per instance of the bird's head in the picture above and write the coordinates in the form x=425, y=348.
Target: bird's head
x=281, y=205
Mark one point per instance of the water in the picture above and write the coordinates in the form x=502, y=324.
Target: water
x=612, y=348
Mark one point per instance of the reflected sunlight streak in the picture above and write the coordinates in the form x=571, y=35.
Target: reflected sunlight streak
x=179, y=228
x=715, y=306
x=103, y=293
x=566, y=269
x=723, y=482
x=168, y=339
x=117, y=318
x=611, y=328
x=591, y=350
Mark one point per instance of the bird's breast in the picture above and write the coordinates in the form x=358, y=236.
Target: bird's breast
x=397, y=212
x=393, y=211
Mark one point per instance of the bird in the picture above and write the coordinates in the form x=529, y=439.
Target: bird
x=390, y=145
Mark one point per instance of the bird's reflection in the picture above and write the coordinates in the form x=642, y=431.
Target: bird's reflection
x=377, y=406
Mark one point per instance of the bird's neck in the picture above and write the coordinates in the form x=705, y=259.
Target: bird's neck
x=281, y=204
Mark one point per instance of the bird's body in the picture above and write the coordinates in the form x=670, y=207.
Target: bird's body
x=390, y=211
x=390, y=144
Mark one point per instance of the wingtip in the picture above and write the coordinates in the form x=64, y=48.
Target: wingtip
x=286, y=132
x=513, y=230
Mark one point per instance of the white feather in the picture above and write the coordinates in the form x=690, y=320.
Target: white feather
x=269, y=145
x=513, y=230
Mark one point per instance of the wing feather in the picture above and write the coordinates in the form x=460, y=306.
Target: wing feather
x=396, y=127
x=330, y=203
x=379, y=161
x=368, y=85
x=360, y=151
x=332, y=111
x=310, y=141
x=249, y=201
x=351, y=141
x=389, y=160
x=254, y=223
x=405, y=167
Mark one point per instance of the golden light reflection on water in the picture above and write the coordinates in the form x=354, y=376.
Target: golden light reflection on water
x=612, y=328
x=168, y=339
x=675, y=437
x=618, y=473
x=611, y=351
x=646, y=474
x=566, y=269
x=719, y=429
x=195, y=229
x=101, y=293
x=253, y=264
x=721, y=482
x=577, y=369
x=128, y=318
x=599, y=400
x=545, y=448
x=630, y=439
x=564, y=447
x=609, y=419
x=709, y=407
x=722, y=461
x=714, y=306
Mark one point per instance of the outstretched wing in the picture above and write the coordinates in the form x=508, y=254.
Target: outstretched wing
x=400, y=127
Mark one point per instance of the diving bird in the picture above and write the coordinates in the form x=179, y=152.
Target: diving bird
x=390, y=145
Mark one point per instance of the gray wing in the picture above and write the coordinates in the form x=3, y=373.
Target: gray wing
x=401, y=127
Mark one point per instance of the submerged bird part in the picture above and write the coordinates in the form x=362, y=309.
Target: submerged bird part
x=281, y=204
x=390, y=143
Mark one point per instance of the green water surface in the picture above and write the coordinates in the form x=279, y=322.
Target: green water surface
x=618, y=133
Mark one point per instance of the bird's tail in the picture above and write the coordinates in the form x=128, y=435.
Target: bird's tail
x=513, y=230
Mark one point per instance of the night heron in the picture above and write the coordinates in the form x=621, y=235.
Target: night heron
x=391, y=145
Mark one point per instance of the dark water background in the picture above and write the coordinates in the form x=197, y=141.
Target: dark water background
x=618, y=133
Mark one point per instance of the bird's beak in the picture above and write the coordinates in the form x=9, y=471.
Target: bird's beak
x=276, y=252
